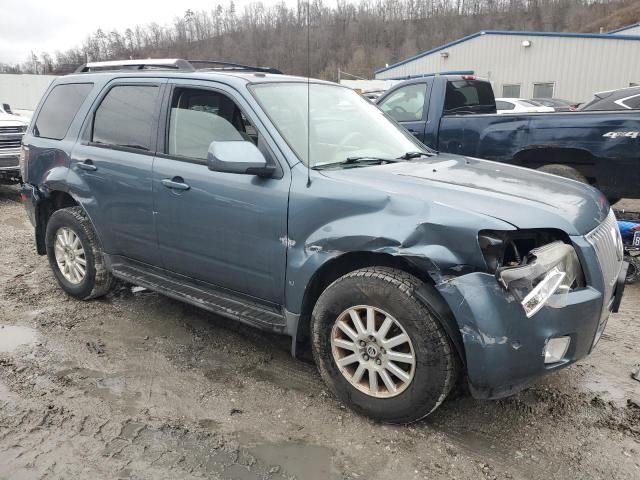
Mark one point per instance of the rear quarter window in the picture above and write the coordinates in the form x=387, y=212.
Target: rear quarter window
x=469, y=96
x=59, y=109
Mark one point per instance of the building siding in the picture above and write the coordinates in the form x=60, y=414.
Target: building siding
x=23, y=91
x=630, y=30
x=577, y=66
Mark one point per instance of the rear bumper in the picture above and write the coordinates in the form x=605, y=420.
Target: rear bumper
x=31, y=199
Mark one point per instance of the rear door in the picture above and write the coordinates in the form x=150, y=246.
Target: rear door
x=408, y=105
x=112, y=167
x=225, y=229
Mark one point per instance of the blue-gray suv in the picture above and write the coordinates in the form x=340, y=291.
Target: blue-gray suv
x=297, y=206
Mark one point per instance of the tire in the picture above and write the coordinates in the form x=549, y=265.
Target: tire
x=633, y=273
x=564, y=171
x=388, y=292
x=97, y=280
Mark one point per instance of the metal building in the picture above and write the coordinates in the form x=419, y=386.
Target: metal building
x=23, y=91
x=633, y=29
x=534, y=64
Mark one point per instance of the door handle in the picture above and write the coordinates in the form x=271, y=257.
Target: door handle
x=87, y=165
x=176, y=183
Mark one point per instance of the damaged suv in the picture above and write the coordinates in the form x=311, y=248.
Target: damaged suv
x=298, y=207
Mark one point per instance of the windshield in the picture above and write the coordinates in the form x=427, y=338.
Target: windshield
x=343, y=124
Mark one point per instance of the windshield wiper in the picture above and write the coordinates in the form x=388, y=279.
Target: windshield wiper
x=368, y=160
x=411, y=155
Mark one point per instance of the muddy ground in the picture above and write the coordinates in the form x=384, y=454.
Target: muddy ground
x=136, y=385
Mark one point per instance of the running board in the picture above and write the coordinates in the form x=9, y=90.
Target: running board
x=221, y=303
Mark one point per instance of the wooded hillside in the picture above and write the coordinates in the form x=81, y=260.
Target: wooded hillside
x=354, y=37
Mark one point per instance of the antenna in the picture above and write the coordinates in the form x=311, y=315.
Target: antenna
x=308, y=95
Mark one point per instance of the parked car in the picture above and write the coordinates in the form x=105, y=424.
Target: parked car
x=622, y=99
x=520, y=105
x=12, y=128
x=457, y=114
x=402, y=268
x=558, y=104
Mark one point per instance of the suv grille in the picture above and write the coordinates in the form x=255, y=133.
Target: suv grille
x=12, y=130
x=607, y=243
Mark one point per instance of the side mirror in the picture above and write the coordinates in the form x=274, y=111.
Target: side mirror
x=7, y=108
x=238, y=157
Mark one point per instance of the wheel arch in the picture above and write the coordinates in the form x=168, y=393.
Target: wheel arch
x=53, y=200
x=346, y=263
x=538, y=156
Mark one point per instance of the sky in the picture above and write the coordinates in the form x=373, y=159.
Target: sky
x=50, y=25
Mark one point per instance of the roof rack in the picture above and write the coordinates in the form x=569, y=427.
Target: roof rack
x=216, y=65
x=170, y=64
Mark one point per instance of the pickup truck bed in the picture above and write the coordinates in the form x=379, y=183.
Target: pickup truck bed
x=458, y=116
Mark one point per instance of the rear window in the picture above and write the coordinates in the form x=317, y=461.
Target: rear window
x=125, y=117
x=469, y=96
x=59, y=110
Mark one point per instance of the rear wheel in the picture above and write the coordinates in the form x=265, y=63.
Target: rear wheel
x=75, y=255
x=379, y=348
x=564, y=171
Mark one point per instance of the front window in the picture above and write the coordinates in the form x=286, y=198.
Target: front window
x=405, y=104
x=325, y=123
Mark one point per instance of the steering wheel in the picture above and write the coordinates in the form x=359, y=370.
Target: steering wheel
x=399, y=110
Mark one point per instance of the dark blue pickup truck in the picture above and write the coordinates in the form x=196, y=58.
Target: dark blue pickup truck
x=457, y=114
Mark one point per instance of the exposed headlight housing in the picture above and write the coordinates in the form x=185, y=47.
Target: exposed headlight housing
x=536, y=276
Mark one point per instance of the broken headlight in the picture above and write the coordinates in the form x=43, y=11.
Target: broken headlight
x=536, y=268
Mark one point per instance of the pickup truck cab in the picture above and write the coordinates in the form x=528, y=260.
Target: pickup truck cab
x=401, y=268
x=457, y=114
x=12, y=128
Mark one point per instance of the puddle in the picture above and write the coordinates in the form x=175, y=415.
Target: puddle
x=308, y=462
x=12, y=336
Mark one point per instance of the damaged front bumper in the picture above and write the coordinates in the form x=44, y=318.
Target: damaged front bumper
x=504, y=349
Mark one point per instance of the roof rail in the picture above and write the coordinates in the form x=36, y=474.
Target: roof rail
x=169, y=63
x=216, y=65
x=141, y=64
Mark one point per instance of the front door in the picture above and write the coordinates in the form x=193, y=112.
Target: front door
x=113, y=165
x=225, y=229
x=406, y=105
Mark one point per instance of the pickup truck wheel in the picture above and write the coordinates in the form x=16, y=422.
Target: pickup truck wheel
x=564, y=171
x=379, y=348
x=75, y=255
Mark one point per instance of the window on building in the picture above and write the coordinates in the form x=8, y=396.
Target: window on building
x=60, y=109
x=125, y=117
x=406, y=103
x=543, y=90
x=511, y=90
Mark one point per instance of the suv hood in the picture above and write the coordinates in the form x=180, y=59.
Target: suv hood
x=522, y=197
x=9, y=120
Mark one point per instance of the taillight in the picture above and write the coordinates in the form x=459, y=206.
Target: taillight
x=24, y=162
x=468, y=77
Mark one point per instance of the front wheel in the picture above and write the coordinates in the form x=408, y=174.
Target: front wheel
x=379, y=348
